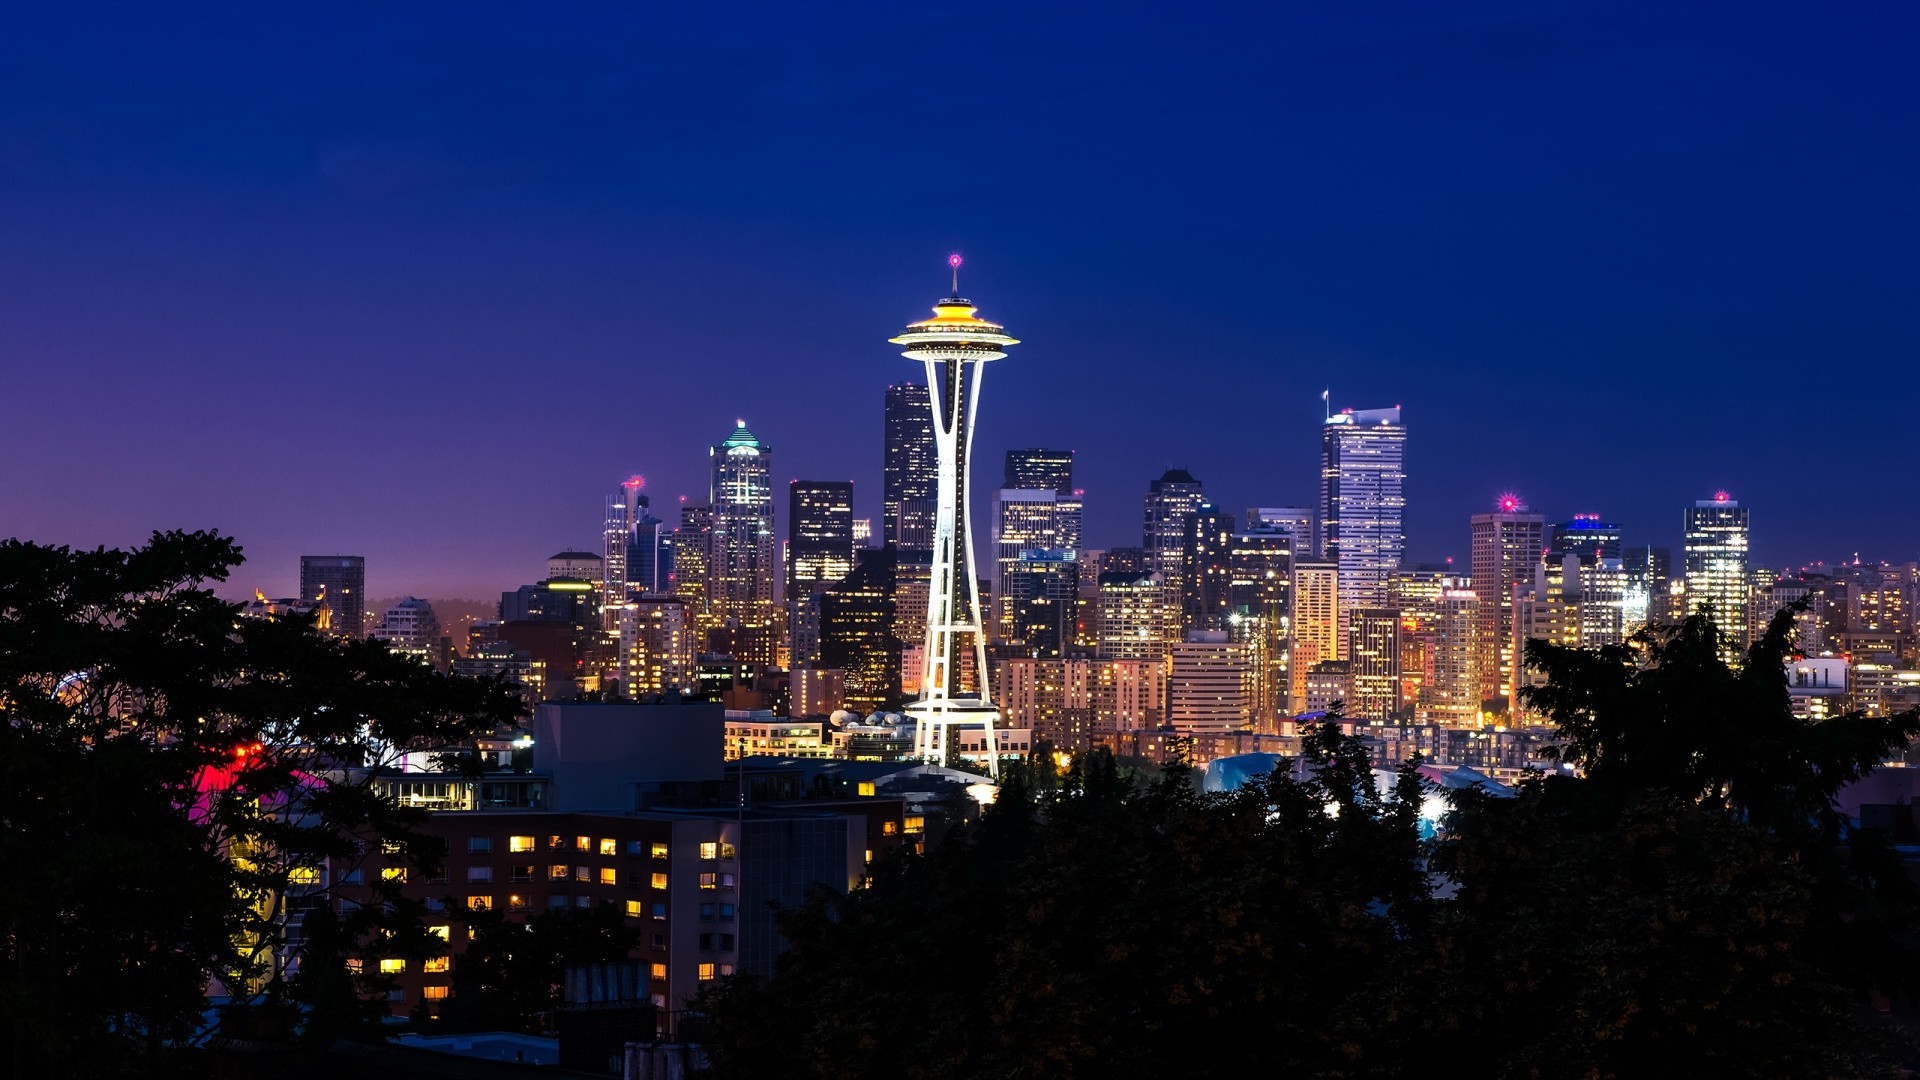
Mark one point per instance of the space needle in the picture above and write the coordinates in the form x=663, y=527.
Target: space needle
x=955, y=346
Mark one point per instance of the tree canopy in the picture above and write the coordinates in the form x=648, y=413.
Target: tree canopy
x=179, y=784
x=1689, y=904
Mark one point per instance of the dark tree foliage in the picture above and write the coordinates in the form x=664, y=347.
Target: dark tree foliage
x=1105, y=928
x=509, y=976
x=1693, y=905
x=172, y=779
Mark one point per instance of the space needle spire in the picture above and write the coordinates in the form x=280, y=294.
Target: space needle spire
x=954, y=346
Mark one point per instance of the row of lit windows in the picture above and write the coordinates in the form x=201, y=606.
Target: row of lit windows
x=606, y=846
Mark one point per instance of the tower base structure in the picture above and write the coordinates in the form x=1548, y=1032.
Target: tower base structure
x=937, y=722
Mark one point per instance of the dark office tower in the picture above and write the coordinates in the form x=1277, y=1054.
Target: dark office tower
x=1043, y=470
x=692, y=566
x=740, y=581
x=650, y=556
x=1586, y=536
x=1363, y=503
x=1171, y=503
x=1040, y=591
x=1650, y=573
x=911, y=469
x=1506, y=547
x=819, y=553
x=340, y=583
x=1206, y=554
x=1259, y=612
x=856, y=632
x=1124, y=560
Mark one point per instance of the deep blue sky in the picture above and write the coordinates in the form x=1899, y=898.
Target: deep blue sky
x=423, y=282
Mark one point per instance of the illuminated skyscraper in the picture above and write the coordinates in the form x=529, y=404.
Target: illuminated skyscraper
x=1260, y=613
x=340, y=583
x=1210, y=684
x=1588, y=537
x=1131, y=627
x=910, y=469
x=1295, y=522
x=1316, y=623
x=856, y=632
x=1373, y=663
x=693, y=561
x=1171, y=503
x=745, y=551
x=1716, y=566
x=1025, y=521
x=1506, y=545
x=1050, y=470
x=617, y=537
x=819, y=553
x=954, y=346
x=1363, y=502
x=1206, y=557
x=1450, y=691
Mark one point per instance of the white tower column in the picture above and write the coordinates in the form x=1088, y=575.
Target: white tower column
x=954, y=347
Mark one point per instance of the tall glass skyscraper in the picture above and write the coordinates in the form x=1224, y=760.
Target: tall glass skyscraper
x=1506, y=547
x=819, y=553
x=1363, y=503
x=1050, y=470
x=1716, y=565
x=745, y=551
x=910, y=475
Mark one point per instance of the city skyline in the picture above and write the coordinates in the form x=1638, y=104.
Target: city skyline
x=446, y=313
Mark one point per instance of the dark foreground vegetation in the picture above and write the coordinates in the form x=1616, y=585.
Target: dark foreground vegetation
x=1693, y=906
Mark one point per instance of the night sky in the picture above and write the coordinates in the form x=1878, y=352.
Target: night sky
x=424, y=283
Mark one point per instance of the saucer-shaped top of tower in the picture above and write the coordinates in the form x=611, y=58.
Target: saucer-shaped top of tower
x=955, y=332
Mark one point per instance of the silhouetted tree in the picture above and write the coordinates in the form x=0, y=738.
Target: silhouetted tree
x=509, y=976
x=172, y=777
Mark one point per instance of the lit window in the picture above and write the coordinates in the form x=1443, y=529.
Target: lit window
x=916, y=823
x=556, y=873
x=583, y=873
x=659, y=851
x=726, y=851
x=392, y=966
x=481, y=845
x=583, y=843
x=444, y=933
x=355, y=964
x=555, y=843
x=609, y=847
x=519, y=843
x=869, y=854
x=658, y=971
x=659, y=881
x=708, y=881
x=706, y=972
x=710, y=850
x=434, y=993
x=389, y=847
x=889, y=827
x=608, y=876
x=517, y=902
x=436, y=965
x=480, y=903
x=479, y=873
x=394, y=873
x=866, y=787
x=304, y=875
x=633, y=909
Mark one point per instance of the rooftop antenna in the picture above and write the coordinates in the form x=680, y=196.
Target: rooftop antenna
x=953, y=260
x=1326, y=400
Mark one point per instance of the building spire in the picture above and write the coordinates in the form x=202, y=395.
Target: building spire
x=953, y=261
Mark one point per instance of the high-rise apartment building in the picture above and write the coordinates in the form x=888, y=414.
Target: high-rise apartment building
x=1316, y=623
x=1210, y=684
x=745, y=549
x=1048, y=470
x=1363, y=502
x=411, y=627
x=693, y=566
x=1040, y=595
x=1588, y=537
x=657, y=648
x=1506, y=545
x=1373, y=664
x=1450, y=691
x=1131, y=627
x=623, y=514
x=1716, y=566
x=819, y=553
x=910, y=469
x=339, y=583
